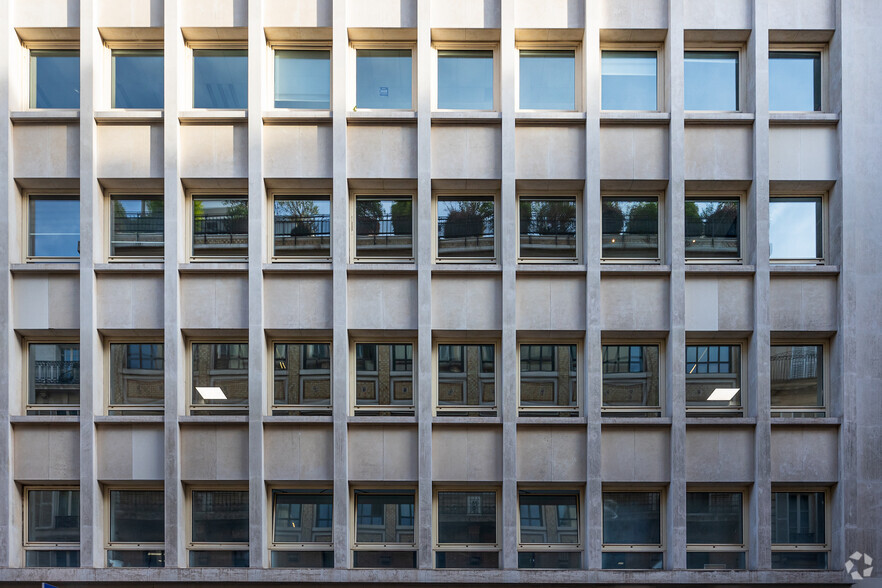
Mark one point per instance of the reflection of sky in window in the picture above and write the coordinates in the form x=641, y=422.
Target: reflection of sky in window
x=628, y=80
x=138, y=205
x=465, y=80
x=137, y=79
x=218, y=207
x=303, y=79
x=383, y=78
x=711, y=80
x=220, y=79
x=548, y=80
x=298, y=206
x=794, y=229
x=54, y=227
x=55, y=79
x=794, y=81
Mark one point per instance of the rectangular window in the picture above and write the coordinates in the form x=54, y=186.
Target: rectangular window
x=219, y=529
x=465, y=80
x=220, y=78
x=715, y=531
x=384, y=78
x=630, y=228
x=466, y=228
x=631, y=380
x=711, y=80
x=799, y=536
x=384, y=529
x=137, y=529
x=795, y=81
x=303, y=78
x=54, y=227
x=384, y=378
x=384, y=227
x=136, y=226
x=55, y=79
x=220, y=227
x=796, y=229
x=466, y=530
x=220, y=378
x=137, y=78
x=713, y=228
x=302, y=529
x=547, y=228
x=53, y=378
x=467, y=378
x=52, y=537
x=549, y=379
x=302, y=227
x=547, y=79
x=629, y=80
x=302, y=382
x=137, y=378
x=713, y=380
x=797, y=381
x=548, y=529
x=632, y=537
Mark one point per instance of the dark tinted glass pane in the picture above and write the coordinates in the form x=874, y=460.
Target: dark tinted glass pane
x=219, y=559
x=716, y=560
x=549, y=518
x=547, y=228
x=631, y=518
x=465, y=80
x=220, y=227
x=713, y=229
x=467, y=559
x=220, y=516
x=53, y=516
x=467, y=517
x=384, y=375
x=53, y=227
x=52, y=559
x=713, y=377
x=797, y=375
x=629, y=80
x=798, y=518
x=220, y=373
x=630, y=228
x=302, y=374
x=384, y=559
x=465, y=228
x=711, y=80
x=714, y=518
x=799, y=560
x=54, y=373
x=136, y=226
x=550, y=559
x=549, y=375
x=303, y=518
x=630, y=376
x=137, y=374
x=302, y=227
x=137, y=79
x=55, y=79
x=384, y=227
x=794, y=81
x=302, y=559
x=795, y=228
x=383, y=78
x=303, y=79
x=137, y=516
x=220, y=78
x=633, y=561
x=547, y=80
x=384, y=518
x=135, y=559
x=466, y=375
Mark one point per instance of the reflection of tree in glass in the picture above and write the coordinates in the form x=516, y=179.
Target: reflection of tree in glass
x=401, y=217
x=643, y=219
x=613, y=218
x=556, y=217
x=722, y=221
x=367, y=217
x=693, y=220
x=302, y=212
x=467, y=217
x=237, y=221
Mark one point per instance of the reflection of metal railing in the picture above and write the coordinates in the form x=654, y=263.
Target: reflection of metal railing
x=384, y=225
x=138, y=222
x=207, y=229
x=794, y=366
x=318, y=225
x=56, y=372
x=457, y=228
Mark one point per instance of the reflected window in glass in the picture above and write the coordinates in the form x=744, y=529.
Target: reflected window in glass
x=797, y=380
x=713, y=228
x=54, y=227
x=465, y=79
x=53, y=528
x=632, y=520
x=713, y=380
x=55, y=79
x=466, y=376
x=550, y=520
x=796, y=229
x=631, y=380
x=384, y=78
x=799, y=537
x=53, y=378
x=219, y=517
x=220, y=226
x=303, y=79
x=220, y=78
x=715, y=530
x=711, y=80
x=137, y=519
x=466, y=228
x=302, y=227
x=547, y=227
x=630, y=228
x=547, y=80
x=137, y=226
x=302, y=378
x=549, y=379
x=629, y=80
x=384, y=377
x=137, y=377
x=220, y=378
x=794, y=81
x=137, y=78
x=384, y=227
x=302, y=518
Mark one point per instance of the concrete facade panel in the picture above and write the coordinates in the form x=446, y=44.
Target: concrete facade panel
x=551, y=454
x=130, y=151
x=479, y=308
x=466, y=453
x=719, y=455
x=130, y=302
x=383, y=453
x=801, y=454
x=550, y=303
x=719, y=304
x=631, y=454
x=46, y=151
x=549, y=14
x=214, y=151
x=214, y=302
x=294, y=452
x=640, y=14
x=466, y=152
x=465, y=14
x=717, y=14
x=634, y=304
x=382, y=302
x=300, y=301
x=130, y=13
x=211, y=13
x=803, y=15
x=46, y=301
x=46, y=453
x=799, y=305
x=214, y=452
x=297, y=151
x=46, y=13
x=298, y=13
x=633, y=152
x=130, y=452
x=803, y=153
x=396, y=158
x=539, y=152
x=381, y=13
x=719, y=152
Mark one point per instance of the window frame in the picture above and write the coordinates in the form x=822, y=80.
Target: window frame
x=576, y=410
x=192, y=545
x=561, y=195
x=270, y=83
x=50, y=194
x=825, y=547
x=741, y=197
x=29, y=81
x=736, y=412
x=26, y=396
x=744, y=546
x=354, y=195
x=741, y=95
x=464, y=340
x=613, y=411
x=194, y=409
x=661, y=547
x=294, y=194
x=578, y=94
x=548, y=547
x=660, y=204
x=659, y=49
x=825, y=233
x=45, y=545
x=190, y=70
x=213, y=194
x=824, y=357
x=438, y=46
x=438, y=546
x=127, y=545
x=381, y=489
x=372, y=409
x=823, y=50
x=284, y=546
x=316, y=339
x=135, y=338
x=355, y=47
x=437, y=197
x=136, y=194
x=107, y=62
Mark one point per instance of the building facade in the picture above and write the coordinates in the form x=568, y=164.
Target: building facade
x=424, y=291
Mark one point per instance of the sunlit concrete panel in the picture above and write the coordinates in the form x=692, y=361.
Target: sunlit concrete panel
x=466, y=453
x=551, y=303
x=466, y=151
x=634, y=304
x=381, y=13
x=630, y=152
x=719, y=153
x=131, y=452
x=214, y=13
x=717, y=14
x=46, y=301
x=803, y=304
x=381, y=151
x=46, y=452
x=130, y=13
x=637, y=14
x=46, y=151
x=454, y=14
x=719, y=455
x=298, y=452
x=478, y=306
x=214, y=452
x=383, y=453
x=801, y=454
x=719, y=304
x=802, y=14
x=130, y=301
x=214, y=151
x=299, y=301
x=803, y=153
x=46, y=13
x=551, y=454
x=631, y=454
x=297, y=151
x=549, y=152
x=214, y=302
x=130, y=151
x=382, y=302
x=297, y=13
x=549, y=14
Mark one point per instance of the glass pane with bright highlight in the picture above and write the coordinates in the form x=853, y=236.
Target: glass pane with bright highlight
x=711, y=80
x=796, y=229
x=55, y=79
x=220, y=78
x=794, y=81
x=384, y=78
x=629, y=80
x=547, y=80
x=138, y=80
x=303, y=79
x=465, y=80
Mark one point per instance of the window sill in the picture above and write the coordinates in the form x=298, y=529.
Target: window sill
x=45, y=115
x=465, y=116
x=66, y=267
x=128, y=116
x=634, y=117
x=303, y=266
x=643, y=269
x=129, y=418
x=551, y=268
x=129, y=267
x=551, y=420
x=466, y=268
x=465, y=420
x=698, y=117
x=213, y=419
x=283, y=116
x=279, y=419
x=801, y=270
x=549, y=116
x=212, y=116
x=380, y=115
x=41, y=419
x=381, y=420
x=720, y=269
x=629, y=421
x=382, y=268
x=803, y=118
x=213, y=267
x=719, y=421
x=806, y=421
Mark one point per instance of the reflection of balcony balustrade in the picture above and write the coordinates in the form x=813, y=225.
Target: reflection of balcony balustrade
x=295, y=235
x=57, y=372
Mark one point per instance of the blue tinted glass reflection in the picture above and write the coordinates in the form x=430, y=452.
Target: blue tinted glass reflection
x=55, y=79
x=465, y=80
x=54, y=227
x=220, y=78
x=794, y=81
x=137, y=79
x=548, y=80
x=629, y=80
x=303, y=79
x=795, y=228
x=383, y=78
x=711, y=80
